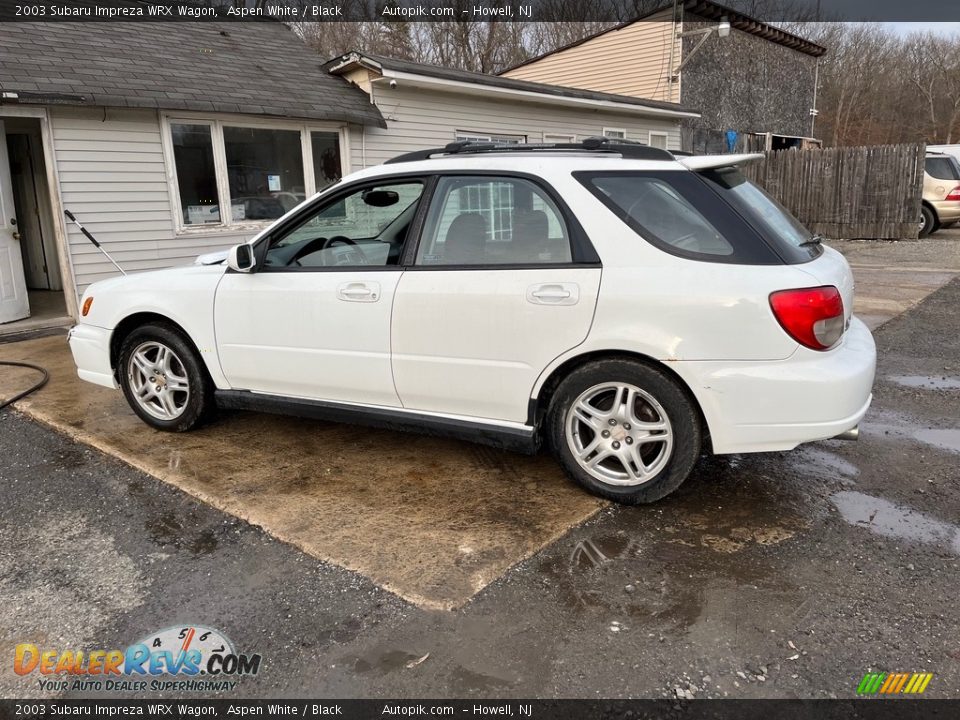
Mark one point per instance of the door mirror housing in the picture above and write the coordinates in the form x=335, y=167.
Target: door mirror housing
x=240, y=258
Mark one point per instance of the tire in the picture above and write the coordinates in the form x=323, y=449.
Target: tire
x=164, y=405
x=582, y=410
x=928, y=221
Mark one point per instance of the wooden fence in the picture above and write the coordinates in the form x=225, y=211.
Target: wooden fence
x=847, y=192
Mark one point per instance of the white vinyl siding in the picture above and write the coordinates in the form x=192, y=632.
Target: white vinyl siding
x=419, y=119
x=631, y=61
x=113, y=177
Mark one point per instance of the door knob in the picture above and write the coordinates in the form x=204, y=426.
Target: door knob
x=16, y=235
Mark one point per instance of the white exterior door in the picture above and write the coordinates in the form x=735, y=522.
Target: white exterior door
x=494, y=296
x=317, y=335
x=315, y=321
x=13, y=287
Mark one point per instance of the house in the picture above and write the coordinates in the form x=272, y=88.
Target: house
x=170, y=140
x=430, y=106
x=741, y=74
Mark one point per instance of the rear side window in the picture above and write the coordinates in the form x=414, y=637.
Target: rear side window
x=781, y=230
x=679, y=213
x=942, y=168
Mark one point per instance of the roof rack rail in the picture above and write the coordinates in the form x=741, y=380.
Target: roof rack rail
x=625, y=148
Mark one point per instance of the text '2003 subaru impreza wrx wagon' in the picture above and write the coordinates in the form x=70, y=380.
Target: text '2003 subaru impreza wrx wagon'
x=622, y=306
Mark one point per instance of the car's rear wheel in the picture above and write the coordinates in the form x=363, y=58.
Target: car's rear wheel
x=928, y=221
x=163, y=379
x=624, y=430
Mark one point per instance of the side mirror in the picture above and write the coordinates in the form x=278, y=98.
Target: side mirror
x=240, y=258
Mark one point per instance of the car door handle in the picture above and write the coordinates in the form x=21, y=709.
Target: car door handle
x=554, y=294
x=359, y=292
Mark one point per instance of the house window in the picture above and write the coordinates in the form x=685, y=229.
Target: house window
x=615, y=133
x=464, y=135
x=196, y=175
x=559, y=138
x=658, y=140
x=264, y=172
x=227, y=174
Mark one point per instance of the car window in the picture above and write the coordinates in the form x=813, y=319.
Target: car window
x=656, y=207
x=942, y=168
x=492, y=221
x=367, y=226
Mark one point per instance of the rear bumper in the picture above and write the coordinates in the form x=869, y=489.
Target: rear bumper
x=947, y=210
x=90, y=346
x=777, y=405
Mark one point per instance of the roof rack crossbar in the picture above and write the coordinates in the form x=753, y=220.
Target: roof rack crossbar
x=625, y=148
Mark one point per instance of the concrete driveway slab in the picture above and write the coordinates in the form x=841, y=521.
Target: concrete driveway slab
x=429, y=519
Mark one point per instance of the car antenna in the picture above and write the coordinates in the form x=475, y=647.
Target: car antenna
x=92, y=239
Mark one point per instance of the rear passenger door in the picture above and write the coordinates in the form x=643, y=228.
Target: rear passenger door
x=503, y=280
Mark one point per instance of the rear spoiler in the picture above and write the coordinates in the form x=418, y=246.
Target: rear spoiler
x=708, y=162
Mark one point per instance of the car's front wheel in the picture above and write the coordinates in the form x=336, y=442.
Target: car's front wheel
x=163, y=379
x=624, y=430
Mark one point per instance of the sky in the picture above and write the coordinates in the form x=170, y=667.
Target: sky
x=942, y=28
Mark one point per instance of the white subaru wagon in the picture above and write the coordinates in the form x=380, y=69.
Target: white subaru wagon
x=627, y=308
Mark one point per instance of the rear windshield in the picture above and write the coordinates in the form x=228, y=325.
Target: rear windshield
x=942, y=168
x=714, y=216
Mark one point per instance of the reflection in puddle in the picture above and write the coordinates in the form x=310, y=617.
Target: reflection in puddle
x=890, y=520
x=943, y=438
x=927, y=382
x=822, y=462
x=946, y=439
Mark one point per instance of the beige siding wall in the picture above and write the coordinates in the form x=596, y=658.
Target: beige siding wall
x=630, y=61
x=113, y=178
x=420, y=119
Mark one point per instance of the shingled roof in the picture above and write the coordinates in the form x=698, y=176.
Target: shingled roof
x=251, y=68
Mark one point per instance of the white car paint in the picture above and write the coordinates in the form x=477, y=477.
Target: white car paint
x=469, y=344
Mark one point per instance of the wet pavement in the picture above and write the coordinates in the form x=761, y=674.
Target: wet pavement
x=433, y=520
x=775, y=575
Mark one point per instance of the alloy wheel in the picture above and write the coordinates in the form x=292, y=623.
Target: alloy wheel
x=619, y=434
x=158, y=380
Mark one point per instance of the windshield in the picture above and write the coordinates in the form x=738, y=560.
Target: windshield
x=771, y=218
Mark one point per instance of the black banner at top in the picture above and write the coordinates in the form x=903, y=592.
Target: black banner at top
x=925, y=11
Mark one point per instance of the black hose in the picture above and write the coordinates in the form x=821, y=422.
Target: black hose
x=29, y=366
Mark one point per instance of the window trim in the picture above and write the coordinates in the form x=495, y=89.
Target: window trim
x=216, y=122
x=659, y=133
x=476, y=136
x=622, y=136
x=566, y=137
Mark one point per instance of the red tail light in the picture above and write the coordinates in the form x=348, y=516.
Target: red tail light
x=811, y=316
x=954, y=194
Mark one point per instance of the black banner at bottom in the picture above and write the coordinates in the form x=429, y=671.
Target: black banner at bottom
x=868, y=709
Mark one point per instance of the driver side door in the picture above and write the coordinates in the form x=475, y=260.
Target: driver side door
x=313, y=320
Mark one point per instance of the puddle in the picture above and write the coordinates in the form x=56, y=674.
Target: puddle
x=895, y=521
x=386, y=662
x=926, y=382
x=810, y=460
x=943, y=438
